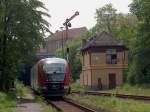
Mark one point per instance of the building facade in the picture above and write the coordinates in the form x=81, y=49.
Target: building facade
x=104, y=60
x=58, y=40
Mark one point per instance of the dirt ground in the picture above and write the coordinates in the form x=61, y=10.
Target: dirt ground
x=28, y=104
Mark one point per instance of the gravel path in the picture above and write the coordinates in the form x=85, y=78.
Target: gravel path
x=28, y=104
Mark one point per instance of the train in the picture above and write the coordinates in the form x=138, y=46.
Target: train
x=51, y=77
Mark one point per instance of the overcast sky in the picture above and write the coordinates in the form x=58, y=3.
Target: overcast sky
x=62, y=9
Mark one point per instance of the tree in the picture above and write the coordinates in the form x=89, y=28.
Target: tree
x=106, y=18
x=21, y=32
x=140, y=72
x=122, y=26
x=74, y=57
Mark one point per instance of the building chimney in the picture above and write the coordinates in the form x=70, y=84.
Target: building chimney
x=83, y=43
x=57, y=31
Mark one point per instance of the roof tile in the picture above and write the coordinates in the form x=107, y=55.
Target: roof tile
x=103, y=39
x=72, y=33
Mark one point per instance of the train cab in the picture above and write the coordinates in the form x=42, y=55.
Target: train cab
x=51, y=77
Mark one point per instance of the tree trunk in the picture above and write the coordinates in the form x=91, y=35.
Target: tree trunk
x=4, y=47
x=3, y=69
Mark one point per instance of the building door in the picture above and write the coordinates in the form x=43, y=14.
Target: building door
x=99, y=84
x=112, y=81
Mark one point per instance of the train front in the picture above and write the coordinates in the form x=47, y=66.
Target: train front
x=56, y=72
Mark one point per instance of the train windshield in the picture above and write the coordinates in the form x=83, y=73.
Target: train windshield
x=55, y=72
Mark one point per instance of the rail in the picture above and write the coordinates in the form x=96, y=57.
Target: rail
x=125, y=96
x=68, y=105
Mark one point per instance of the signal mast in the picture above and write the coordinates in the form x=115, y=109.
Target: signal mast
x=67, y=24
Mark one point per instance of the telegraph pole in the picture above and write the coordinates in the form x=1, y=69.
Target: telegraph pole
x=62, y=41
x=67, y=24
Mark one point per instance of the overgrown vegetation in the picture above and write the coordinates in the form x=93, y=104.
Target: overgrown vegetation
x=21, y=32
x=7, y=102
x=112, y=104
x=45, y=106
x=76, y=86
x=139, y=71
x=126, y=89
x=132, y=90
x=21, y=90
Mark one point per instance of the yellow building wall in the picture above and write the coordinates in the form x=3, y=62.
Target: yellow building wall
x=99, y=69
x=86, y=59
x=104, y=75
x=98, y=58
x=85, y=78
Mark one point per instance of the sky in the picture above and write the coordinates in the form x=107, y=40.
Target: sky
x=62, y=9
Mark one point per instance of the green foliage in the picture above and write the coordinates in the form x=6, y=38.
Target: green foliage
x=90, y=33
x=111, y=104
x=131, y=74
x=122, y=26
x=74, y=61
x=140, y=72
x=21, y=32
x=7, y=102
x=106, y=17
x=21, y=90
x=125, y=75
x=76, y=86
x=74, y=58
x=132, y=90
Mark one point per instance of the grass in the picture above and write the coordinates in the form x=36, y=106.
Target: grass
x=132, y=90
x=112, y=104
x=21, y=90
x=126, y=89
x=76, y=86
x=7, y=102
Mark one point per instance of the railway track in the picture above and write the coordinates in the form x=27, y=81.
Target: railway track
x=124, y=96
x=68, y=105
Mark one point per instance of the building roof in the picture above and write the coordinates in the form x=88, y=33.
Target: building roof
x=72, y=33
x=103, y=39
x=53, y=60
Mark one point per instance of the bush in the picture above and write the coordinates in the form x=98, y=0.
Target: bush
x=20, y=89
x=111, y=104
x=7, y=102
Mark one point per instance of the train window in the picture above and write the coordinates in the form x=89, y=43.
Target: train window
x=55, y=77
x=54, y=68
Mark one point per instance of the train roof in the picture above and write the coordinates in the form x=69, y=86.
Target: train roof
x=53, y=60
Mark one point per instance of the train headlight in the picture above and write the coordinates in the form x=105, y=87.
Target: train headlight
x=43, y=88
x=66, y=87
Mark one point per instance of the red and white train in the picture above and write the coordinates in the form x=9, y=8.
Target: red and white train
x=50, y=76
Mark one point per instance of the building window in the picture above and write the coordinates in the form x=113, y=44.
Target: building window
x=111, y=56
x=57, y=45
x=95, y=58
